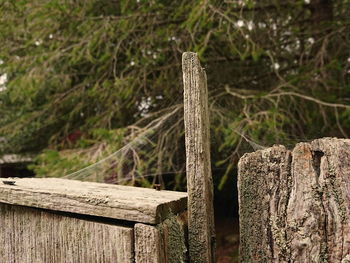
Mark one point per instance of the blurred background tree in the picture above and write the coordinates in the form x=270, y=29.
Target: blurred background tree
x=82, y=81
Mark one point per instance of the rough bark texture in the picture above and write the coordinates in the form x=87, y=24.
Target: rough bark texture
x=29, y=235
x=113, y=201
x=199, y=180
x=295, y=206
x=164, y=243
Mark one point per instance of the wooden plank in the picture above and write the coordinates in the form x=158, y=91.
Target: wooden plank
x=263, y=190
x=199, y=179
x=295, y=206
x=149, y=247
x=164, y=243
x=112, y=201
x=30, y=235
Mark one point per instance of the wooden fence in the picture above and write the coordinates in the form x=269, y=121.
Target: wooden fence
x=57, y=220
x=295, y=205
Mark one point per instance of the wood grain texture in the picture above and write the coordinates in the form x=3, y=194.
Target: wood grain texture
x=29, y=235
x=164, y=243
x=112, y=201
x=149, y=247
x=198, y=169
x=295, y=206
x=263, y=176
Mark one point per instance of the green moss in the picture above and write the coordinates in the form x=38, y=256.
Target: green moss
x=337, y=193
x=175, y=239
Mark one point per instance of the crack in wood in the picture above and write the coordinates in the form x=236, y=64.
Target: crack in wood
x=294, y=206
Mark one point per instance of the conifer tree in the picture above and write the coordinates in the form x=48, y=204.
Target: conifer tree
x=85, y=78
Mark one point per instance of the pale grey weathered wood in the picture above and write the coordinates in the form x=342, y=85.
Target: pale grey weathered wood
x=295, y=206
x=149, y=247
x=199, y=179
x=263, y=176
x=97, y=199
x=164, y=243
x=29, y=235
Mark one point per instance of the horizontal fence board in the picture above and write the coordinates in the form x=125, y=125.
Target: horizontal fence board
x=135, y=204
x=30, y=235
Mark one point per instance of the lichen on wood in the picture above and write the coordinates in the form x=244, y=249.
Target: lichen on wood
x=198, y=169
x=163, y=243
x=294, y=205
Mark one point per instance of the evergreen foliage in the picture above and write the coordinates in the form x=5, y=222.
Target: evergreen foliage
x=85, y=78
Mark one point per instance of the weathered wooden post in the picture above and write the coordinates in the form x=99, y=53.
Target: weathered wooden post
x=199, y=180
x=295, y=205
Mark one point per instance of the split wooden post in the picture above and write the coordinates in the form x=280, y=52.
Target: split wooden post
x=199, y=179
x=295, y=205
